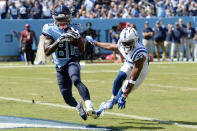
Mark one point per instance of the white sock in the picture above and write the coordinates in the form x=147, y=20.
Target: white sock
x=89, y=105
x=113, y=97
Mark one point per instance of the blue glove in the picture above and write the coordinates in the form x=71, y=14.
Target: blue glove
x=90, y=39
x=121, y=102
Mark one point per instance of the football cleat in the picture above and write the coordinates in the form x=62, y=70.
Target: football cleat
x=92, y=113
x=101, y=109
x=81, y=111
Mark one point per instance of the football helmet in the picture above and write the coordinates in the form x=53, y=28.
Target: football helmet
x=61, y=16
x=128, y=39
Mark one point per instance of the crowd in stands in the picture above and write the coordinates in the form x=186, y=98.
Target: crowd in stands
x=102, y=9
x=173, y=39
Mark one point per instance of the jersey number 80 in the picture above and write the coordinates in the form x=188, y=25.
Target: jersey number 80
x=65, y=50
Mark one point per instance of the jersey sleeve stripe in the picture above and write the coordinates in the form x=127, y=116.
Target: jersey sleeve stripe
x=136, y=51
x=140, y=51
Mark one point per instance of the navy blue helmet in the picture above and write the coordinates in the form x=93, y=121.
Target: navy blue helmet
x=62, y=16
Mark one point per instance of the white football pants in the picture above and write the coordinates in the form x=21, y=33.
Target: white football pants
x=127, y=68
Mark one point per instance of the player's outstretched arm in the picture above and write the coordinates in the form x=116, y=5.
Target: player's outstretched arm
x=106, y=46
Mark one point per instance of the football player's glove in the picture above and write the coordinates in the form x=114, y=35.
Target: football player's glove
x=69, y=36
x=122, y=102
x=90, y=39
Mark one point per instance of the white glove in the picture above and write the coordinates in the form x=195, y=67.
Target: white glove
x=90, y=39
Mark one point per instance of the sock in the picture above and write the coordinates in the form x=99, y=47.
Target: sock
x=78, y=105
x=89, y=105
x=112, y=97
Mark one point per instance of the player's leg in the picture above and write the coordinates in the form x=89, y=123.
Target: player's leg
x=65, y=86
x=74, y=73
x=139, y=81
x=122, y=75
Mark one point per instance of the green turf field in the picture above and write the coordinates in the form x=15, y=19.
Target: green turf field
x=167, y=100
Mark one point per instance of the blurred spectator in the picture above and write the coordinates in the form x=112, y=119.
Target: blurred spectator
x=161, y=7
x=135, y=11
x=108, y=9
x=2, y=9
x=168, y=39
x=114, y=33
x=88, y=4
x=46, y=10
x=177, y=35
x=36, y=11
x=192, y=9
x=23, y=14
x=13, y=11
x=190, y=33
x=89, y=48
x=159, y=37
x=147, y=41
x=27, y=37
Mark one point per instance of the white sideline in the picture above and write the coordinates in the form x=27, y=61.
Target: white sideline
x=109, y=113
x=92, y=64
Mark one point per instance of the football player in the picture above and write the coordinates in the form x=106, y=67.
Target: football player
x=61, y=39
x=134, y=70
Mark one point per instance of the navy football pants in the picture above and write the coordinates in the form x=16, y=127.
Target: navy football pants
x=67, y=75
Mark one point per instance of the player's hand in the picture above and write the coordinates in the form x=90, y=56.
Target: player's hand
x=90, y=39
x=69, y=36
x=121, y=102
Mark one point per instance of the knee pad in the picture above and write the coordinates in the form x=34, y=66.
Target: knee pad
x=75, y=79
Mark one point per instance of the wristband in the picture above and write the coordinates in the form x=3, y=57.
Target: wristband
x=93, y=42
x=132, y=82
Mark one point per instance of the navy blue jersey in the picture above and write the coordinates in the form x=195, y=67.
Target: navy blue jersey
x=183, y=28
x=147, y=30
x=177, y=35
x=169, y=35
x=159, y=34
x=190, y=33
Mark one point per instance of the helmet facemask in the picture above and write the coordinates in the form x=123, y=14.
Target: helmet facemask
x=128, y=46
x=62, y=21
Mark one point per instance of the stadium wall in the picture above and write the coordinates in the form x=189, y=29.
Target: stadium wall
x=9, y=45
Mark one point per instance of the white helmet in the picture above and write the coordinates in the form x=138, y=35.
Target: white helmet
x=128, y=39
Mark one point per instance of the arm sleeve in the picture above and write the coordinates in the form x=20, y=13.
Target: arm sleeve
x=46, y=31
x=140, y=56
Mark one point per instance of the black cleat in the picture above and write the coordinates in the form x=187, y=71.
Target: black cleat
x=81, y=111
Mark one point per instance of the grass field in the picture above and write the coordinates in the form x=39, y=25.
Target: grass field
x=166, y=101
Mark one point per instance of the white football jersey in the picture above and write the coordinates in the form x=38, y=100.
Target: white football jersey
x=138, y=52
